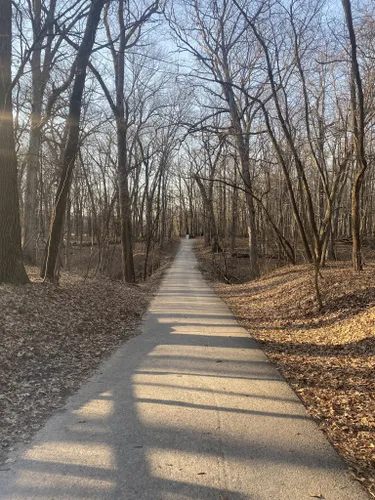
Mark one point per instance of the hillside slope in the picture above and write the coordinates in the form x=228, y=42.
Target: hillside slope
x=328, y=357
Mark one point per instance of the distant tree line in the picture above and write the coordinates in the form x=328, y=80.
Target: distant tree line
x=129, y=121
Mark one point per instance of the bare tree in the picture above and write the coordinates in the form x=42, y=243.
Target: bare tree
x=128, y=36
x=45, y=51
x=224, y=62
x=11, y=266
x=71, y=148
x=358, y=128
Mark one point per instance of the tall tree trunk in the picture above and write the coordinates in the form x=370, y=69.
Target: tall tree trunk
x=30, y=228
x=357, y=261
x=30, y=222
x=123, y=176
x=242, y=145
x=209, y=209
x=71, y=147
x=11, y=266
x=234, y=214
x=125, y=211
x=251, y=225
x=40, y=74
x=358, y=120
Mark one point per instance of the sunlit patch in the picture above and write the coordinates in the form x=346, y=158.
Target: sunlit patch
x=171, y=409
x=107, y=394
x=174, y=406
x=73, y=453
x=63, y=481
x=182, y=466
x=97, y=408
x=198, y=362
x=191, y=353
x=201, y=319
x=218, y=330
x=84, y=428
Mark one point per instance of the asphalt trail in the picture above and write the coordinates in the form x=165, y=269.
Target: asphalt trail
x=190, y=409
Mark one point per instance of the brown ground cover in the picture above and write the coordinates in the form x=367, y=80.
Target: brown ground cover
x=53, y=337
x=328, y=357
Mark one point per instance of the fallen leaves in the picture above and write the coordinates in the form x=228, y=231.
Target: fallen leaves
x=328, y=358
x=53, y=337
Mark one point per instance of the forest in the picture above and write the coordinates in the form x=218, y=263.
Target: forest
x=248, y=127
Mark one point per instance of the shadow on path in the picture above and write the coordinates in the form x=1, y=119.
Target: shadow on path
x=191, y=409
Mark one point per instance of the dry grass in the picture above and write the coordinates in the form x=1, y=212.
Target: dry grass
x=329, y=357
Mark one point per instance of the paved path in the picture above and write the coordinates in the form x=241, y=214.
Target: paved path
x=191, y=409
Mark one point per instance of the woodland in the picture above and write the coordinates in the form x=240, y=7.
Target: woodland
x=249, y=126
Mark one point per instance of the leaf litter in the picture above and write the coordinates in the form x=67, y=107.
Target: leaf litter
x=52, y=339
x=328, y=357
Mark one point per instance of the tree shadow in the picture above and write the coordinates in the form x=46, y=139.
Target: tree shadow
x=360, y=348
x=180, y=413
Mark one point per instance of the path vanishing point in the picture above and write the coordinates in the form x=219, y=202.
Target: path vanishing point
x=190, y=409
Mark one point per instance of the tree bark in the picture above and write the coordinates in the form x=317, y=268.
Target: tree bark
x=358, y=120
x=125, y=210
x=71, y=148
x=40, y=73
x=125, y=202
x=11, y=265
x=30, y=221
x=251, y=225
x=207, y=202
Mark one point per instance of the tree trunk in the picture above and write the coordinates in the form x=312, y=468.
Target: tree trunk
x=125, y=202
x=11, y=266
x=356, y=225
x=71, y=148
x=30, y=227
x=207, y=202
x=125, y=213
x=251, y=225
x=358, y=121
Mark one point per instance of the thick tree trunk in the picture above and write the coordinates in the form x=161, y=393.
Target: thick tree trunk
x=358, y=121
x=126, y=238
x=211, y=222
x=125, y=210
x=30, y=228
x=43, y=35
x=11, y=266
x=251, y=225
x=125, y=202
x=356, y=225
x=243, y=156
x=71, y=148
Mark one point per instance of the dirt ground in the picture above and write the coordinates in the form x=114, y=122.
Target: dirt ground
x=53, y=337
x=328, y=357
